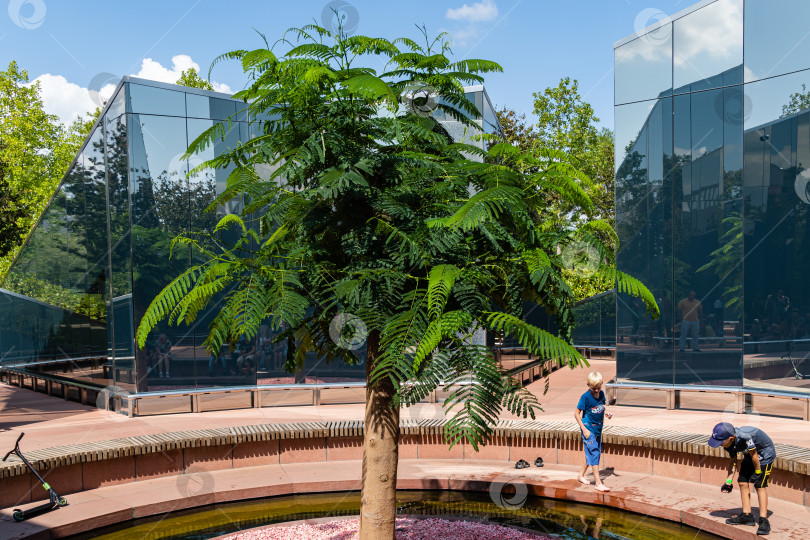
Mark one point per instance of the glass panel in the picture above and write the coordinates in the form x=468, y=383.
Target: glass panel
x=152, y=100
x=160, y=211
x=644, y=67
x=222, y=109
x=120, y=253
x=210, y=107
x=75, y=262
x=237, y=364
x=242, y=114
x=776, y=98
x=118, y=106
x=53, y=318
x=595, y=319
x=776, y=38
x=198, y=106
x=777, y=237
x=636, y=155
x=708, y=47
x=97, y=291
x=708, y=249
x=490, y=119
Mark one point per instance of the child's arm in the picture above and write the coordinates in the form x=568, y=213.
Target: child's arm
x=757, y=465
x=732, y=466
x=578, y=418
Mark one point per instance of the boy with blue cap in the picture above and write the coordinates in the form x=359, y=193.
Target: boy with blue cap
x=758, y=457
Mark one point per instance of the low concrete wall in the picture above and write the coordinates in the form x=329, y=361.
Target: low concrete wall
x=76, y=468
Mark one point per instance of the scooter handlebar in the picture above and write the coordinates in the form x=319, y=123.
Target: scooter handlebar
x=16, y=445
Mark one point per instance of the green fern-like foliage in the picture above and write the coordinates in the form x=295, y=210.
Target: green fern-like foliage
x=366, y=210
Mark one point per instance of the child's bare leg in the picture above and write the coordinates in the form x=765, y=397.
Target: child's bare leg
x=745, y=495
x=762, y=495
x=599, y=484
x=581, y=476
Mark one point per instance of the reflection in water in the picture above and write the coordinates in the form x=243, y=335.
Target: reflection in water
x=565, y=520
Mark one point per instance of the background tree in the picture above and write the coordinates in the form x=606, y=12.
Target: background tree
x=568, y=123
x=798, y=101
x=192, y=79
x=13, y=210
x=368, y=213
x=35, y=151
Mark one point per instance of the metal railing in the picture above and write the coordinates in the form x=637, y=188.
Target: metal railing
x=744, y=396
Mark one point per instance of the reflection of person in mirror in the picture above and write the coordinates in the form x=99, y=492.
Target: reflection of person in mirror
x=756, y=330
x=718, y=317
x=777, y=306
x=164, y=354
x=666, y=313
x=690, y=312
x=246, y=350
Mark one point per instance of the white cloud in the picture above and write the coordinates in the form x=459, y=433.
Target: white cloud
x=466, y=36
x=483, y=11
x=154, y=71
x=708, y=40
x=68, y=100
x=62, y=98
x=718, y=36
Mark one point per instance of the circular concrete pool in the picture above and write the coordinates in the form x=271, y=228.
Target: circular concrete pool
x=567, y=520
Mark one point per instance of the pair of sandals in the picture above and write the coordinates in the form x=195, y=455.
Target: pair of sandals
x=523, y=464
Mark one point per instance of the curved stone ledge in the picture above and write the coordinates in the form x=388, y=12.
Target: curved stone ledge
x=81, y=467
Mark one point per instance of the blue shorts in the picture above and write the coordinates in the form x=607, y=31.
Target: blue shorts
x=593, y=448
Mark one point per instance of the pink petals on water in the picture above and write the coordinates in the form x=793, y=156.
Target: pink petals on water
x=407, y=529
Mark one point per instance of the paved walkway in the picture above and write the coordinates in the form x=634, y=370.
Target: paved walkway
x=50, y=421
x=676, y=500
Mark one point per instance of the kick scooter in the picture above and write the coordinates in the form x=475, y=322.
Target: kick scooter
x=55, y=500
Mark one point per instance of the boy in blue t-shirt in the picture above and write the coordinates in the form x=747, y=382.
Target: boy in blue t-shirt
x=590, y=415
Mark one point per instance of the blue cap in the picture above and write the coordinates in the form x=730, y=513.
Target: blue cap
x=720, y=433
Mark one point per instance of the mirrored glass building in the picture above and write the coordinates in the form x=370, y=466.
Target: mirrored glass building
x=712, y=112
x=99, y=254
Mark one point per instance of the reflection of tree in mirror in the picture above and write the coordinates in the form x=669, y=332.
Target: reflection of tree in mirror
x=164, y=206
x=726, y=262
x=797, y=102
x=54, y=266
x=631, y=208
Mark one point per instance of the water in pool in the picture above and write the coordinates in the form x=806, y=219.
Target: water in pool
x=566, y=520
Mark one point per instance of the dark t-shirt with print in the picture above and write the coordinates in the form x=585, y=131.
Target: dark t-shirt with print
x=593, y=411
x=750, y=438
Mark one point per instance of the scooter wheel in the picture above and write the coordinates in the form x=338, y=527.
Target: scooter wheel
x=61, y=501
x=18, y=515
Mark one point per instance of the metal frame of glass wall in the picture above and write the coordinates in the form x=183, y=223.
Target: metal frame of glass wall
x=712, y=115
x=100, y=253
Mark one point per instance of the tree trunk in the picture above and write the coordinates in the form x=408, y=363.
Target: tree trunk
x=380, y=454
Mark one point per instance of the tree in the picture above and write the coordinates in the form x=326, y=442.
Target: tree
x=798, y=101
x=13, y=210
x=567, y=123
x=35, y=151
x=192, y=79
x=367, y=216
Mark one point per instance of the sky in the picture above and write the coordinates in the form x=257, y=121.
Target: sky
x=77, y=50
